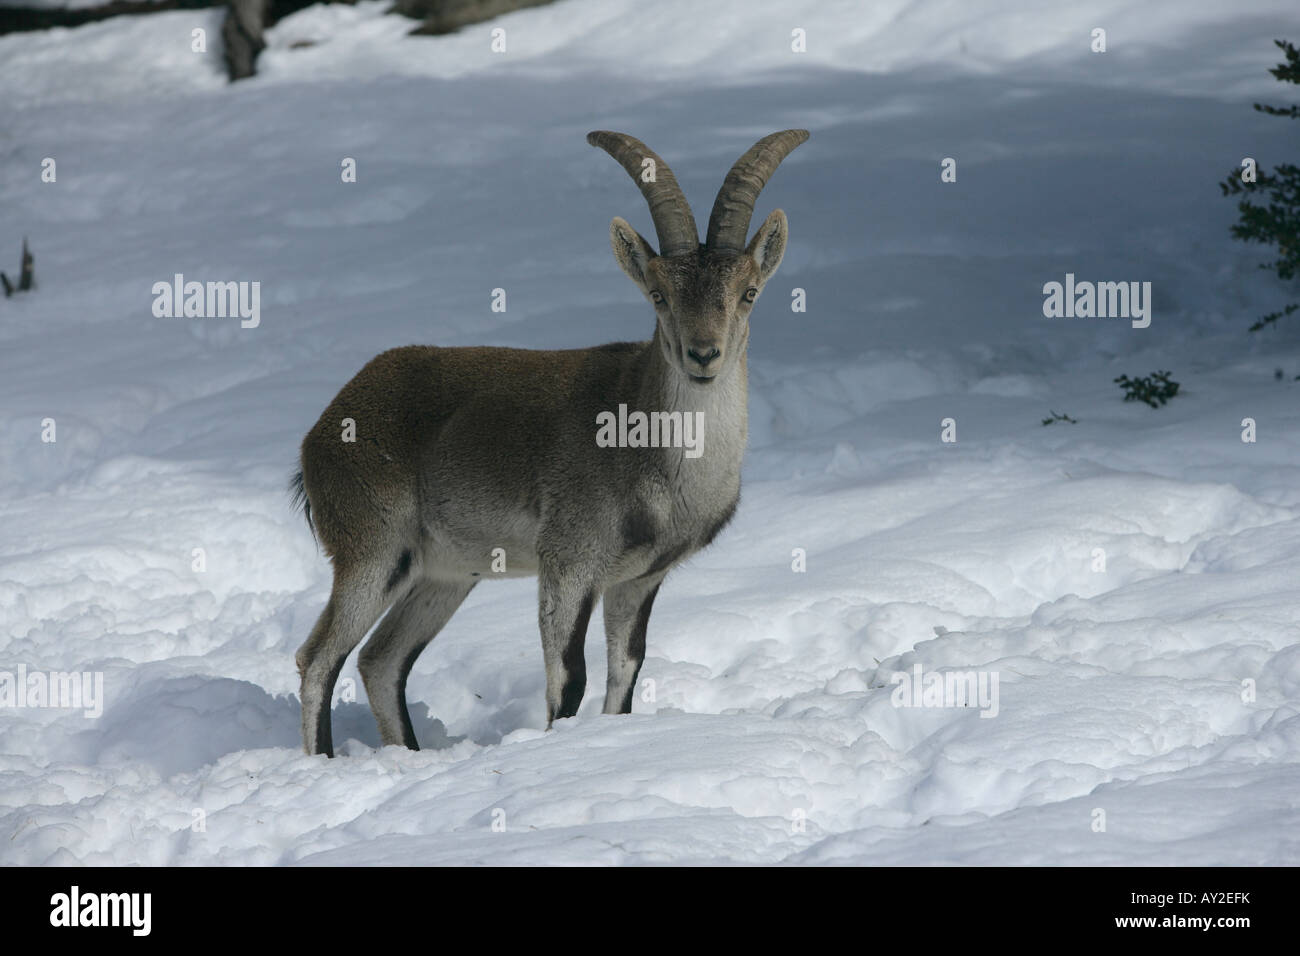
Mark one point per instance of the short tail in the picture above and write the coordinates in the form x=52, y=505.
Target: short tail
x=300, y=499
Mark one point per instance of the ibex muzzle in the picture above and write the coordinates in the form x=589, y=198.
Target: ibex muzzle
x=435, y=468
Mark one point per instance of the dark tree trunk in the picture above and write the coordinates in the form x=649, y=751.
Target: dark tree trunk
x=26, y=275
x=16, y=19
x=246, y=20
x=242, y=35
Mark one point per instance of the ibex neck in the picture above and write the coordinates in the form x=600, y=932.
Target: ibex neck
x=723, y=404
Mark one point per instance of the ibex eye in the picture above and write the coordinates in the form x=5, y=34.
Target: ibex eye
x=656, y=297
x=751, y=294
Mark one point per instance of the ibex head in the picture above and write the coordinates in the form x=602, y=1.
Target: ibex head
x=701, y=293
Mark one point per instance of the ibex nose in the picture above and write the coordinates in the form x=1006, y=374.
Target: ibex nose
x=703, y=354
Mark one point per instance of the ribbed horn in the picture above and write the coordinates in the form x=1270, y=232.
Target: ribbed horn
x=674, y=222
x=732, y=210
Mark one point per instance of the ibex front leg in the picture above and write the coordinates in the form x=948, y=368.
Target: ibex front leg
x=565, y=599
x=627, y=612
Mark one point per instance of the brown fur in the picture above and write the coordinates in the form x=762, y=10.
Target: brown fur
x=462, y=455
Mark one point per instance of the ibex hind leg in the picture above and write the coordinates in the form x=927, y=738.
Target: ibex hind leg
x=388, y=656
x=358, y=599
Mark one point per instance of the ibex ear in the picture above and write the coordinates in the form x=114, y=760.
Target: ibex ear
x=631, y=251
x=768, y=245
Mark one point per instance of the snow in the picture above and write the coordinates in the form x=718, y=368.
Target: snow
x=772, y=735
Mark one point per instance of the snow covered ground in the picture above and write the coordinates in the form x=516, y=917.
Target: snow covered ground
x=1125, y=694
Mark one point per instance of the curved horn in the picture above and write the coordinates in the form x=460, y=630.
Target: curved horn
x=729, y=221
x=672, y=215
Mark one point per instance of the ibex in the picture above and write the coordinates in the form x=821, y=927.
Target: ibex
x=457, y=459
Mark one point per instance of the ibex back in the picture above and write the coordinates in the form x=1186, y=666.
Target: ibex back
x=454, y=453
